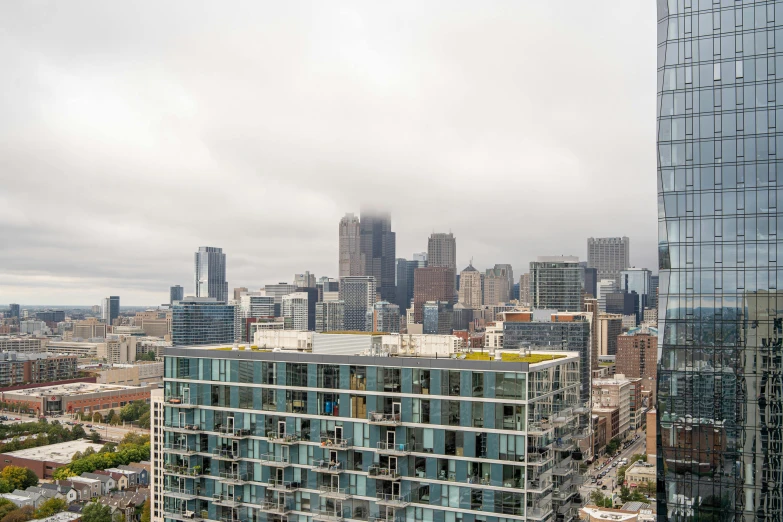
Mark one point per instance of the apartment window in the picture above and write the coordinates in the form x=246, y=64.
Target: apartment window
x=358, y=377
x=477, y=379
x=268, y=373
x=328, y=376
x=296, y=374
x=390, y=378
x=268, y=399
x=421, y=381
x=296, y=401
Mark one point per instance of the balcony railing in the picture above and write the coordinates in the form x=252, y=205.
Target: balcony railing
x=564, y=444
x=283, y=438
x=184, y=515
x=231, y=477
x=384, y=473
x=389, y=499
x=179, y=448
x=181, y=426
x=270, y=459
x=234, y=433
x=282, y=485
x=183, y=470
x=539, y=512
x=270, y=506
x=227, y=500
x=539, y=428
x=538, y=459
x=384, y=419
x=393, y=448
x=330, y=516
x=334, y=443
x=225, y=454
x=180, y=492
x=181, y=402
x=336, y=493
x=538, y=486
x=326, y=466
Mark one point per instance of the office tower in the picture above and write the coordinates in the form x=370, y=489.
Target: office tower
x=210, y=264
x=405, y=278
x=176, y=293
x=351, y=262
x=238, y=292
x=431, y=283
x=719, y=310
x=306, y=436
x=358, y=296
x=638, y=280
x=591, y=308
x=437, y=318
x=496, y=287
x=385, y=317
x=329, y=316
x=378, y=244
x=510, y=272
x=421, y=257
x=462, y=317
x=294, y=308
x=89, y=329
x=442, y=250
x=515, y=292
x=610, y=326
x=556, y=332
x=202, y=320
x=277, y=291
x=590, y=277
x=605, y=287
x=14, y=310
x=524, y=290
x=306, y=280
x=326, y=284
x=609, y=255
x=110, y=309
x=471, y=290
x=624, y=303
x=255, y=307
x=653, y=292
x=51, y=316
x=312, y=299
x=556, y=283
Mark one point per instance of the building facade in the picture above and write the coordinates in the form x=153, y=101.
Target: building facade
x=110, y=309
x=330, y=316
x=329, y=437
x=556, y=283
x=496, y=286
x=442, y=250
x=609, y=255
x=378, y=249
x=432, y=283
x=210, y=273
x=471, y=287
x=350, y=260
x=202, y=320
x=525, y=297
x=358, y=297
x=294, y=308
x=385, y=317
x=176, y=293
x=637, y=354
x=406, y=270
x=437, y=318
x=609, y=328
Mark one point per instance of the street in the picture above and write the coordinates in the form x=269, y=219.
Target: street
x=109, y=433
x=610, y=479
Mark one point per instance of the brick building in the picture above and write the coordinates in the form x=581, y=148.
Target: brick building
x=76, y=397
x=431, y=283
x=44, y=460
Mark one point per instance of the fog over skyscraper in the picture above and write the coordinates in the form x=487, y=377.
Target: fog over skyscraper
x=351, y=263
x=378, y=245
x=720, y=312
x=210, y=268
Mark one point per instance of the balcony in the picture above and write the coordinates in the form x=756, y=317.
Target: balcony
x=538, y=486
x=564, y=469
x=388, y=448
x=184, y=427
x=233, y=433
x=384, y=518
x=539, y=459
x=179, y=448
x=564, y=444
x=225, y=454
x=383, y=473
x=285, y=486
x=334, y=443
x=270, y=506
x=325, y=466
x=181, y=402
x=384, y=419
x=277, y=461
x=180, y=493
x=539, y=428
x=283, y=438
x=539, y=512
x=183, y=471
x=184, y=515
x=388, y=499
x=227, y=500
x=582, y=434
x=335, y=493
x=564, y=492
x=329, y=516
x=229, y=477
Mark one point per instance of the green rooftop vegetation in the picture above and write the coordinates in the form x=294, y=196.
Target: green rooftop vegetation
x=243, y=347
x=533, y=358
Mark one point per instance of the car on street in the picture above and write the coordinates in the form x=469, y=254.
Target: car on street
x=603, y=487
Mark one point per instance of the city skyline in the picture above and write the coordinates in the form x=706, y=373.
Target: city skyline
x=390, y=114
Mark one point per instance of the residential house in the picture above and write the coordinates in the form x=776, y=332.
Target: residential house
x=143, y=468
x=68, y=493
x=107, y=481
x=132, y=476
x=36, y=499
x=126, y=502
x=120, y=480
x=19, y=500
x=96, y=486
x=83, y=490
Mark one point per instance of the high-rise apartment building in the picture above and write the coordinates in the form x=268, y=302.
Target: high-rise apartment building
x=110, y=309
x=720, y=297
x=653, y=292
x=590, y=279
x=637, y=355
x=14, y=310
x=471, y=288
x=437, y=318
x=277, y=291
x=496, y=287
x=605, y=287
x=609, y=255
x=432, y=283
x=157, y=418
x=176, y=293
x=609, y=328
x=328, y=285
x=378, y=247
x=525, y=297
x=329, y=316
x=202, y=320
x=313, y=437
x=556, y=283
x=294, y=309
x=358, y=297
x=385, y=317
x=442, y=250
x=306, y=280
x=210, y=273
x=350, y=261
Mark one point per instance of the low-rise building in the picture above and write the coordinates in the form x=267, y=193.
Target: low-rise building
x=594, y=513
x=79, y=348
x=640, y=473
x=89, y=328
x=95, y=485
x=25, y=368
x=64, y=516
x=107, y=481
x=23, y=344
x=19, y=500
x=132, y=374
x=76, y=397
x=614, y=394
x=44, y=460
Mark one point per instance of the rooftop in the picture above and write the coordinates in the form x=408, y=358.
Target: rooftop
x=60, y=453
x=530, y=358
x=65, y=516
x=74, y=388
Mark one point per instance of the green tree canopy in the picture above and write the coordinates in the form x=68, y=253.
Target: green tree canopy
x=19, y=477
x=20, y=515
x=96, y=512
x=51, y=507
x=600, y=500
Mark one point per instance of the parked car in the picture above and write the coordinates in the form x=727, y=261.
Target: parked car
x=603, y=487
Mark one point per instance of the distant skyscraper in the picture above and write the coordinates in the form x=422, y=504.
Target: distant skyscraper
x=496, y=286
x=14, y=310
x=437, y=318
x=176, y=293
x=637, y=280
x=605, y=287
x=590, y=279
x=510, y=272
x=609, y=255
x=294, y=309
x=431, y=283
x=326, y=284
x=556, y=283
x=110, y=309
x=239, y=291
x=351, y=262
x=329, y=316
x=421, y=257
x=524, y=290
x=306, y=280
x=386, y=317
x=358, y=297
x=278, y=291
x=442, y=250
x=378, y=244
x=654, y=292
x=210, y=265
x=202, y=320
x=405, y=277
x=471, y=289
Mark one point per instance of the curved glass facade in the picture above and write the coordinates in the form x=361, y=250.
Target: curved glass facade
x=720, y=413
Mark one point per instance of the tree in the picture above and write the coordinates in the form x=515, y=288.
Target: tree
x=149, y=356
x=20, y=515
x=96, y=512
x=6, y=508
x=19, y=477
x=627, y=495
x=613, y=445
x=51, y=507
x=97, y=417
x=145, y=514
x=78, y=432
x=144, y=421
x=95, y=437
x=600, y=500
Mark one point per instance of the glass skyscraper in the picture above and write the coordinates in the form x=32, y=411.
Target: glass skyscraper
x=210, y=270
x=720, y=429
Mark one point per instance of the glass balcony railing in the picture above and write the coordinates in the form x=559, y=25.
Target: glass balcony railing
x=335, y=443
x=384, y=419
x=383, y=473
x=336, y=493
x=390, y=499
x=327, y=466
x=393, y=448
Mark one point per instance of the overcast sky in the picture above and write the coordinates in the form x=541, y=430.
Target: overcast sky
x=131, y=133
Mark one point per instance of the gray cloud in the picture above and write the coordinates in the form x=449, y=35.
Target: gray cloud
x=132, y=133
